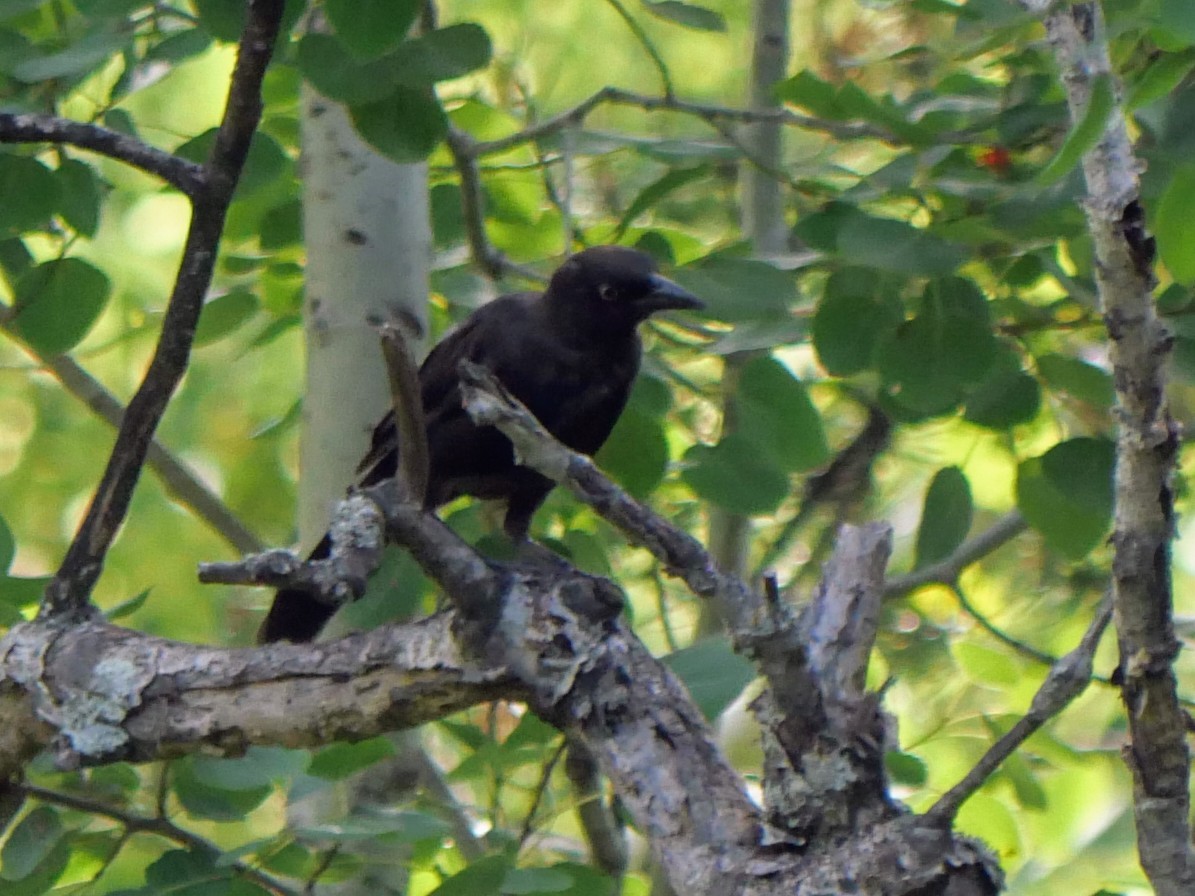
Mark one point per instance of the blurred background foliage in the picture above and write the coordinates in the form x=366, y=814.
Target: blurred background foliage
x=938, y=283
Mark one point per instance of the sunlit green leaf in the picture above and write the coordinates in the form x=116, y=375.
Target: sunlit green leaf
x=1175, y=225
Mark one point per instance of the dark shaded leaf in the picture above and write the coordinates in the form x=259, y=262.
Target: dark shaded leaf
x=30, y=843
x=343, y=759
x=1174, y=225
x=946, y=517
x=405, y=127
x=1084, y=135
x=30, y=191
x=369, y=28
x=739, y=289
x=224, y=314
x=854, y=312
x=734, y=475
x=775, y=414
x=699, y=18
x=59, y=301
x=1066, y=494
x=1078, y=379
x=79, y=202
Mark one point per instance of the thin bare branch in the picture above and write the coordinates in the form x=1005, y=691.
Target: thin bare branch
x=947, y=570
x=181, y=173
x=646, y=42
x=1068, y=678
x=162, y=827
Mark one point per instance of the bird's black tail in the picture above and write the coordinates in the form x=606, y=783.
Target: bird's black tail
x=295, y=615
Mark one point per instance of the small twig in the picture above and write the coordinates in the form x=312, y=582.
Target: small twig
x=537, y=797
x=162, y=827
x=68, y=593
x=406, y=398
x=947, y=570
x=1003, y=637
x=1067, y=679
x=648, y=45
x=705, y=111
x=181, y=173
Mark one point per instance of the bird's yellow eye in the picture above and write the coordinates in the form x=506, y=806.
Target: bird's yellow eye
x=607, y=292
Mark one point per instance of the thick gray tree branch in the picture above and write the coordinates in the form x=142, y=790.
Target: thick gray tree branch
x=1147, y=443
x=97, y=693
x=181, y=173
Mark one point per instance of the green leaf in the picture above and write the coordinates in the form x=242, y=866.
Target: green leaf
x=335, y=73
x=8, y=546
x=30, y=843
x=946, y=517
x=1084, y=135
x=223, y=19
x=224, y=314
x=369, y=28
x=30, y=191
x=21, y=592
x=42, y=878
x=1066, y=494
x=73, y=61
x=734, y=475
x=927, y=363
x=402, y=826
x=442, y=54
x=891, y=245
x=636, y=454
x=1008, y=398
x=811, y=93
x=208, y=797
x=699, y=18
x=657, y=190
x=739, y=289
x=521, y=881
x=906, y=769
x=1175, y=225
x=1175, y=17
x=341, y=760
x=774, y=413
x=854, y=312
x=985, y=665
x=128, y=607
x=267, y=160
x=79, y=202
x=1078, y=379
x=58, y=303
x=282, y=226
x=1162, y=76
x=405, y=127
x=259, y=767
x=483, y=876
x=712, y=672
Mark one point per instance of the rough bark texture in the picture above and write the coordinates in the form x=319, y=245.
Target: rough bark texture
x=1146, y=446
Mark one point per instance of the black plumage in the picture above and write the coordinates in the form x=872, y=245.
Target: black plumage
x=569, y=353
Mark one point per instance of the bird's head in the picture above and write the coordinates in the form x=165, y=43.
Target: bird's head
x=613, y=288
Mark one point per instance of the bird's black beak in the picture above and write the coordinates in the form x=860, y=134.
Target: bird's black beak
x=666, y=295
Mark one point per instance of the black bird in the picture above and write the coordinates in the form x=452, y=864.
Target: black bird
x=569, y=353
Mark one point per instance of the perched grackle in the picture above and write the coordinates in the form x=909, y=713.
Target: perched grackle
x=569, y=353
